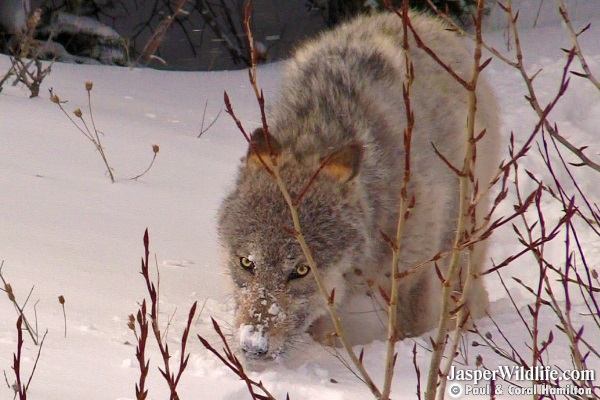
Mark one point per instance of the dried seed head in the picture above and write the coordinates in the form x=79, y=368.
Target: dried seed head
x=155, y=148
x=9, y=292
x=89, y=85
x=131, y=322
x=475, y=344
x=478, y=360
x=78, y=113
x=488, y=335
x=61, y=299
x=54, y=98
x=594, y=274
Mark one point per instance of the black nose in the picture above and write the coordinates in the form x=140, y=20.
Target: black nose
x=254, y=352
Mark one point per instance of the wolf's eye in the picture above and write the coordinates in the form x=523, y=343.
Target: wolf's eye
x=247, y=264
x=300, y=271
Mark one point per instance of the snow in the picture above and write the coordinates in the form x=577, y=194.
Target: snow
x=66, y=230
x=252, y=337
x=274, y=309
x=68, y=23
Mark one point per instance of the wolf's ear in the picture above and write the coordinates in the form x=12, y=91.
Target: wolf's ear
x=343, y=165
x=261, y=149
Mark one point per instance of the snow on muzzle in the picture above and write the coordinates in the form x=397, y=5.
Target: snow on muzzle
x=264, y=327
x=254, y=341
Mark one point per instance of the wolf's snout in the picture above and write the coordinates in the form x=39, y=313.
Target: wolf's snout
x=254, y=342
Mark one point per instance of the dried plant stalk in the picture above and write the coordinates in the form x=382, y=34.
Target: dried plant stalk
x=172, y=377
x=574, y=38
x=157, y=37
x=463, y=225
x=403, y=212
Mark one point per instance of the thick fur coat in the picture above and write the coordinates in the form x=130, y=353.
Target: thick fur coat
x=341, y=97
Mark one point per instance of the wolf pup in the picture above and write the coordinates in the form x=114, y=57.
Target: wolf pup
x=341, y=98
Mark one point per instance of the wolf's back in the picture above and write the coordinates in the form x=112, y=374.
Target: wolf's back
x=346, y=86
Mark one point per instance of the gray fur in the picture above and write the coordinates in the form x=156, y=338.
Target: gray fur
x=341, y=89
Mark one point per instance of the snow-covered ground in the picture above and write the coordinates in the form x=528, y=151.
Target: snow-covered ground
x=66, y=230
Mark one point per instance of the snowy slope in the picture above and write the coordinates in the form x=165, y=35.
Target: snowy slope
x=65, y=229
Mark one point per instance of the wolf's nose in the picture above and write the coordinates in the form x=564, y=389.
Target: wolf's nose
x=253, y=341
x=253, y=352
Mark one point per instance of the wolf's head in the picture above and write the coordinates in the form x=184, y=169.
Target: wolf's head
x=276, y=297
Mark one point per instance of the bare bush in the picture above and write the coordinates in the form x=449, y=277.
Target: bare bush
x=579, y=213
x=93, y=134
x=149, y=50
x=21, y=383
x=26, y=66
x=20, y=308
x=171, y=375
